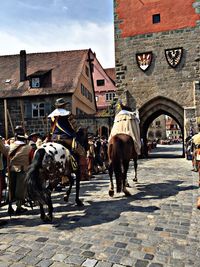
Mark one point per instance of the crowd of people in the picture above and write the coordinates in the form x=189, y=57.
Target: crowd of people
x=192, y=151
x=16, y=155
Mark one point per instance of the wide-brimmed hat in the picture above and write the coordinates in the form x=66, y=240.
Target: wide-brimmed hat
x=60, y=102
x=33, y=134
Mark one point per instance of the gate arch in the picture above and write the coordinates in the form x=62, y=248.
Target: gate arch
x=156, y=107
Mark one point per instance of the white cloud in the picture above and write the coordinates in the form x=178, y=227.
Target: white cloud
x=71, y=36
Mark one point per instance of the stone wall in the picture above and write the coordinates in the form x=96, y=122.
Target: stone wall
x=179, y=84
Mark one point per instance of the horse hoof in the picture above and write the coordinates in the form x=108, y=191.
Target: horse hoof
x=111, y=193
x=135, y=180
x=47, y=219
x=66, y=198
x=79, y=203
x=127, y=193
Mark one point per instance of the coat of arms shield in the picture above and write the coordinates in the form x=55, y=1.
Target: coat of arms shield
x=173, y=56
x=144, y=60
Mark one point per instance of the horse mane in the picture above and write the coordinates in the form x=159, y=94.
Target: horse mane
x=82, y=136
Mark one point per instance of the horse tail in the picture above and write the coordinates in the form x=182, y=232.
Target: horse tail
x=35, y=190
x=116, y=156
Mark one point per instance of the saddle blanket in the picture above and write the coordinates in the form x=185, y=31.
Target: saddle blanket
x=127, y=122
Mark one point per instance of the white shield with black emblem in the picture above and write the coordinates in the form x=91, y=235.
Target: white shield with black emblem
x=174, y=56
x=144, y=60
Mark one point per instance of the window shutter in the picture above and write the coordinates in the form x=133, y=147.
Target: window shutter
x=28, y=111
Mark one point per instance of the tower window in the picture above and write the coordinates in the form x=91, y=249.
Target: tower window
x=156, y=18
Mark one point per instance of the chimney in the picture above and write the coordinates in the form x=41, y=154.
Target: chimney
x=22, y=65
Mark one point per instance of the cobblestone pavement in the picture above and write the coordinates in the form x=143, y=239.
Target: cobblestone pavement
x=156, y=226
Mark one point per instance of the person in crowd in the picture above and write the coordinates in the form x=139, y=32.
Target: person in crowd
x=33, y=138
x=64, y=128
x=90, y=156
x=3, y=164
x=195, y=147
x=3, y=155
x=20, y=156
x=98, y=161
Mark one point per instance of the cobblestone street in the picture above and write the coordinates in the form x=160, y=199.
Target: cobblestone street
x=156, y=226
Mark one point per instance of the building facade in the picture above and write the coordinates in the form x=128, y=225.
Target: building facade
x=158, y=59
x=30, y=84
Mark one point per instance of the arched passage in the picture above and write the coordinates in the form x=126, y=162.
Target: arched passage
x=156, y=107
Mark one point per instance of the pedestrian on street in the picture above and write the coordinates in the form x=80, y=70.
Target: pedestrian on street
x=3, y=153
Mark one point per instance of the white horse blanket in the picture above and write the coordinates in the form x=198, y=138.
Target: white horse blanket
x=127, y=122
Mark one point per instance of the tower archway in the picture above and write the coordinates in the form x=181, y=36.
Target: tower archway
x=156, y=107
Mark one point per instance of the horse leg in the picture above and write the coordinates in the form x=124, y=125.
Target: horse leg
x=78, y=201
x=48, y=202
x=135, y=167
x=42, y=213
x=68, y=192
x=126, y=166
x=50, y=210
x=111, y=188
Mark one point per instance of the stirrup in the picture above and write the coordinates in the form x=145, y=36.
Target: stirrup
x=74, y=163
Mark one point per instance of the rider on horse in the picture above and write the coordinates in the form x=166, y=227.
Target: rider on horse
x=127, y=122
x=64, y=128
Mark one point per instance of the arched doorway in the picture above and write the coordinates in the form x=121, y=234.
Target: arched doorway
x=156, y=107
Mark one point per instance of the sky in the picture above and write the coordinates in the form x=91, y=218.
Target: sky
x=58, y=25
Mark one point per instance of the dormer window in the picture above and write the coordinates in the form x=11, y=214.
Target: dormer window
x=8, y=81
x=40, y=79
x=35, y=82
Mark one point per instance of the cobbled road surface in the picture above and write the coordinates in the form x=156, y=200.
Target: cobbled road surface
x=158, y=225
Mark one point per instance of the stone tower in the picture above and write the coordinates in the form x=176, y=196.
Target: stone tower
x=157, y=50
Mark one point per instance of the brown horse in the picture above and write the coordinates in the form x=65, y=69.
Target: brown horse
x=121, y=150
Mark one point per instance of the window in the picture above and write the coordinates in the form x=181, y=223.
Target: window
x=156, y=18
x=110, y=96
x=97, y=98
x=87, y=71
x=100, y=82
x=38, y=110
x=35, y=82
x=85, y=92
x=79, y=111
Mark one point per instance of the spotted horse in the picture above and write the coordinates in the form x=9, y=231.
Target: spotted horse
x=51, y=162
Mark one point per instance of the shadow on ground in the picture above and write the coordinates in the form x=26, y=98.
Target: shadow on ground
x=98, y=211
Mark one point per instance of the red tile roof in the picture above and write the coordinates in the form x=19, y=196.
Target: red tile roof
x=66, y=67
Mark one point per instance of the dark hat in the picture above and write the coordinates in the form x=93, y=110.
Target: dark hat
x=33, y=134
x=60, y=102
x=90, y=136
x=19, y=130
x=20, y=133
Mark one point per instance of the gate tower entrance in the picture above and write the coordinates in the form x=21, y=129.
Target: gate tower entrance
x=156, y=107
